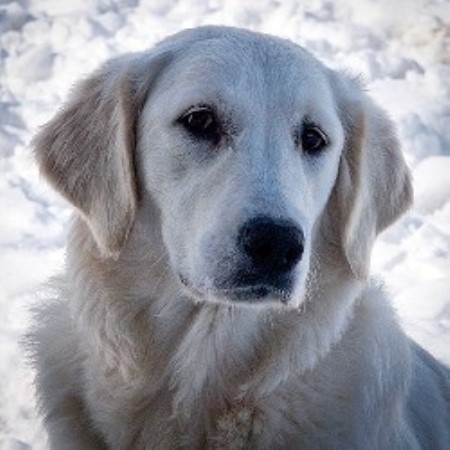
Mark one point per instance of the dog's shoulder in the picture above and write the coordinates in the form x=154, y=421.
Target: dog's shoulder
x=429, y=399
x=425, y=381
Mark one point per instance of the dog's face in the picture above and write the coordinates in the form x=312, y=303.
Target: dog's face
x=239, y=144
x=252, y=152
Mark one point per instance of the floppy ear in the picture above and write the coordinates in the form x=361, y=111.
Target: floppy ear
x=86, y=150
x=373, y=186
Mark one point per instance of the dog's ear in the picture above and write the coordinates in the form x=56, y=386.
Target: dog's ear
x=86, y=150
x=373, y=186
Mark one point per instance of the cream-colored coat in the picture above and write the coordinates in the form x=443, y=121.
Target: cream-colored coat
x=139, y=347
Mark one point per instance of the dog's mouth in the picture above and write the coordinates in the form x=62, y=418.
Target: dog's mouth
x=256, y=294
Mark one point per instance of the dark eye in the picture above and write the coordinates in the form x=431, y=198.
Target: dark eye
x=313, y=140
x=201, y=123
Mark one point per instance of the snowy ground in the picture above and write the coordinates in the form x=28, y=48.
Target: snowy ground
x=401, y=47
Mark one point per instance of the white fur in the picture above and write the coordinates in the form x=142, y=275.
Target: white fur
x=129, y=357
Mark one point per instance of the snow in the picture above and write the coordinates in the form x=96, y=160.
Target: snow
x=401, y=48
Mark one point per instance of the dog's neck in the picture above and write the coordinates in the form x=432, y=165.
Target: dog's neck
x=205, y=353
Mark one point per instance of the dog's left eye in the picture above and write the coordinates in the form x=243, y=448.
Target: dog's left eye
x=202, y=123
x=313, y=140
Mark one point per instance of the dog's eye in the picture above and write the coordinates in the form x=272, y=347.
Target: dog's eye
x=313, y=140
x=201, y=122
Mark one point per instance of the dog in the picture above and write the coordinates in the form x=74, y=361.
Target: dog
x=228, y=189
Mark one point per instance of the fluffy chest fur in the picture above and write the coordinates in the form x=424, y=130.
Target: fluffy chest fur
x=211, y=385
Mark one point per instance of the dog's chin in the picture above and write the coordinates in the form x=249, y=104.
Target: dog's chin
x=262, y=295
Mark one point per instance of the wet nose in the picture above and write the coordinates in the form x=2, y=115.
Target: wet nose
x=272, y=246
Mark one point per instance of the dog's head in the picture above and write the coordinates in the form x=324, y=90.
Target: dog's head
x=254, y=153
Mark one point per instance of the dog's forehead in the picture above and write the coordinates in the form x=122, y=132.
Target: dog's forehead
x=249, y=64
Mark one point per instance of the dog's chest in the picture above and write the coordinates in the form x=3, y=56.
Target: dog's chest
x=220, y=375
x=209, y=395
x=284, y=418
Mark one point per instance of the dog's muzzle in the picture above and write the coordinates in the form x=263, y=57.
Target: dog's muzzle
x=268, y=251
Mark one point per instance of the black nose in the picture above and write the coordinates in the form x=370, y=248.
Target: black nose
x=273, y=246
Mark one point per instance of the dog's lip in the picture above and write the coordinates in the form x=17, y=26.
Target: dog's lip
x=258, y=293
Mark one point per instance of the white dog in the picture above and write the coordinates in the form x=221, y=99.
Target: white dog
x=228, y=189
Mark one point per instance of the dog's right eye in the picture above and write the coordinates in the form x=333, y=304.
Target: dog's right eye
x=201, y=122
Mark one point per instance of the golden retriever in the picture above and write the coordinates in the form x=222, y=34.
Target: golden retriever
x=228, y=189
